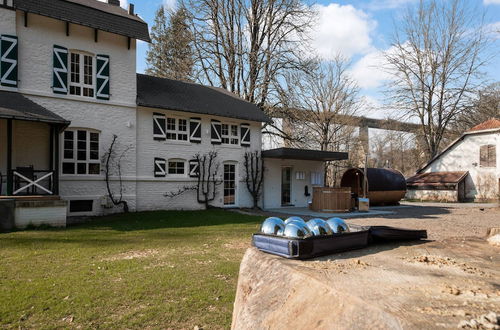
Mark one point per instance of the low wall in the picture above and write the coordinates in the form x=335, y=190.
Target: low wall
x=36, y=213
x=433, y=195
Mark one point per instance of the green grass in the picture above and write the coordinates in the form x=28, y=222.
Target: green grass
x=162, y=269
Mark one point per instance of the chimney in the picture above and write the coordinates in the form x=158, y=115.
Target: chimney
x=131, y=9
x=114, y=2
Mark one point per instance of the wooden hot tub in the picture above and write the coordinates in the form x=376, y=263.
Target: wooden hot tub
x=327, y=199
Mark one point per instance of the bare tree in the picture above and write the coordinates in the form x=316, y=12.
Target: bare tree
x=435, y=62
x=322, y=103
x=171, y=53
x=254, y=175
x=245, y=46
x=207, y=179
x=486, y=106
x=112, y=166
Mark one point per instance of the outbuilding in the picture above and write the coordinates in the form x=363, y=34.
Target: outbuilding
x=466, y=170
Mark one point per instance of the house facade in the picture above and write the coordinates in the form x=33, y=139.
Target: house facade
x=467, y=170
x=69, y=90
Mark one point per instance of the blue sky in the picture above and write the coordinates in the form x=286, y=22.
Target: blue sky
x=360, y=29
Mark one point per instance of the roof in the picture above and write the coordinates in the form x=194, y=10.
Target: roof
x=91, y=13
x=177, y=95
x=492, y=123
x=437, y=178
x=304, y=154
x=16, y=106
x=487, y=127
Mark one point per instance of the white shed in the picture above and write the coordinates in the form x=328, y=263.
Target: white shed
x=474, y=152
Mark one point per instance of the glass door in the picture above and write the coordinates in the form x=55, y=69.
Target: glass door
x=229, y=184
x=286, y=185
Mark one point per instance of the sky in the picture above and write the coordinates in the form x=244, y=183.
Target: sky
x=359, y=29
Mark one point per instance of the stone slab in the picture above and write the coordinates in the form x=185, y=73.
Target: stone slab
x=425, y=285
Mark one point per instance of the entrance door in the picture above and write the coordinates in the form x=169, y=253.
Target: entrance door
x=229, y=184
x=286, y=185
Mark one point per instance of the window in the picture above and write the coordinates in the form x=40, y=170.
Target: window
x=81, y=74
x=229, y=184
x=229, y=134
x=176, y=166
x=81, y=206
x=177, y=129
x=81, y=152
x=488, y=156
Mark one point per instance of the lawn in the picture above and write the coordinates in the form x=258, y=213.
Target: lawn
x=166, y=269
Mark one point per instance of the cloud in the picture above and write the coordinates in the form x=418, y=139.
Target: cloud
x=493, y=29
x=170, y=4
x=341, y=29
x=391, y=4
x=491, y=2
x=368, y=71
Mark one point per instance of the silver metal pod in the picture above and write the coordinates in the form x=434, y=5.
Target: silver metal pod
x=294, y=219
x=338, y=225
x=272, y=226
x=297, y=230
x=319, y=227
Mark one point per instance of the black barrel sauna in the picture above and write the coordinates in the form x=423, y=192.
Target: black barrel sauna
x=385, y=186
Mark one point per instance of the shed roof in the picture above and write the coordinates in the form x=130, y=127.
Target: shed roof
x=16, y=106
x=304, y=154
x=177, y=95
x=437, y=178
x=91, y=13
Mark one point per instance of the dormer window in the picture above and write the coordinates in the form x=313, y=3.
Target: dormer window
x=81, y=74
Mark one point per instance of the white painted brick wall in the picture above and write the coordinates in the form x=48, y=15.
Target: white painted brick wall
x=36, y=44
x=150, y=190
x=53, y=216
x=7, y=21
x=272, y=181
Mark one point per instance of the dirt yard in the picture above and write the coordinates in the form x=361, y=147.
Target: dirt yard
x=440, y=221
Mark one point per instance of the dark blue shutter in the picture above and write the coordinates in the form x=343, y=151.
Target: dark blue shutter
x=216, y=132
x=194, y=168
x=195, y=130
x=159, y=126
x=60, y=70
x=160, y=167
x=8, y=62
x=245, y=135
x=102, y=77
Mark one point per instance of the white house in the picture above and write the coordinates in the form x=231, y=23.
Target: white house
x=69, y=85
x=468, y=169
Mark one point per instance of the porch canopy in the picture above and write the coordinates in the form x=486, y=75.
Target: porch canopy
x=304, y=154
x=26, y=179
x=16, y=106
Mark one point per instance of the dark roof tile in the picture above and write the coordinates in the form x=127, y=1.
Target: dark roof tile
x=91, y=13
x=16, y=106
x=171, y=94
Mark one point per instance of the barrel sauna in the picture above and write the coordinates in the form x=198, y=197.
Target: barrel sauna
x=385, y=186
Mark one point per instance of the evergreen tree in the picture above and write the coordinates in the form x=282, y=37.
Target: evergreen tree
x=170, y=53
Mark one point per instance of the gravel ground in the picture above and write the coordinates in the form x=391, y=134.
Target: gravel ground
x=441, y=221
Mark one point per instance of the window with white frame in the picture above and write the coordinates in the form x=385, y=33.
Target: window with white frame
x=81, y=74
x=81, y=152
x=230, y=134
x=176, y=167
x=177, y=129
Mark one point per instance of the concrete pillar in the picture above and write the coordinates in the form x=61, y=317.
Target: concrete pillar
x=364, y=138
